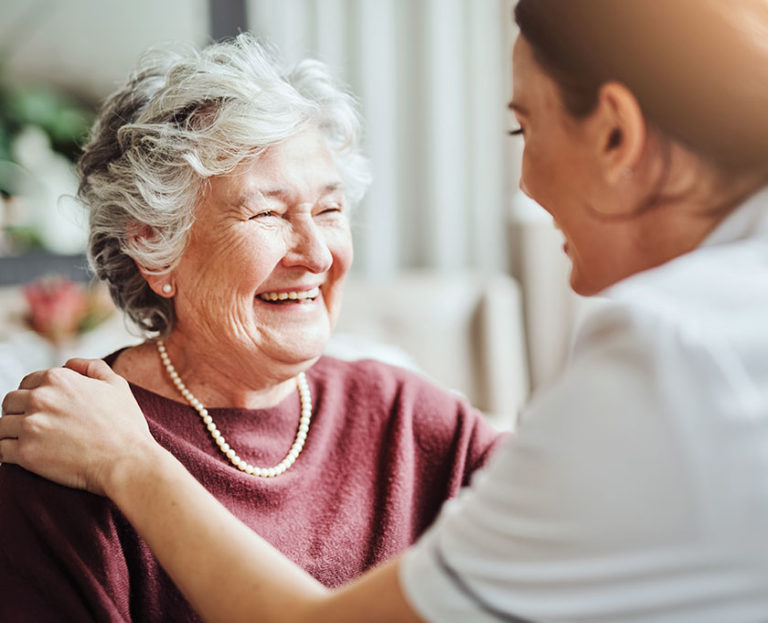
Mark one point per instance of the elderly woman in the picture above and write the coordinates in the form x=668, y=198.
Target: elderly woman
x=219, y=193
x=635, y=489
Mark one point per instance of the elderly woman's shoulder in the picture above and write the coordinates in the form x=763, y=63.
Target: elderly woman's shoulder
x=370, y=380
x=404, y=405
x=372, y=373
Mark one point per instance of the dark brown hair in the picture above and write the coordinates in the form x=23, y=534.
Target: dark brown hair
x=698, y=68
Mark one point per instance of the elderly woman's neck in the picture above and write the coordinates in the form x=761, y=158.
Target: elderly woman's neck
x=222, y=377
x=215, y=379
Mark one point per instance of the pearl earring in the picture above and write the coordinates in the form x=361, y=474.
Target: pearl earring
x=167, y=288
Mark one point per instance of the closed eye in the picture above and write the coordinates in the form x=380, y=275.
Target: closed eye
x=331, y=208
x=516, y=132
x=263, y=214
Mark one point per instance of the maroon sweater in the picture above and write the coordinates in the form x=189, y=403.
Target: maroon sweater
x=385, y=449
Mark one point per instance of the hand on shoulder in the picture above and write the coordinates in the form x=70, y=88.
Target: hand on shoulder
x=74, y=425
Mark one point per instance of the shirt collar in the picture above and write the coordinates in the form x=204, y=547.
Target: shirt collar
x=749, y=220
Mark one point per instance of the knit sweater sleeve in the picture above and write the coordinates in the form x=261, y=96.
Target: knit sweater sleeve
x=60, y=555
x=430, y=440
x=454, y=438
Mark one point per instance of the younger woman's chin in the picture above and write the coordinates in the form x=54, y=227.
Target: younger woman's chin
x=586, y=287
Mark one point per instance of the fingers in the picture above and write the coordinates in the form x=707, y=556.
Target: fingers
x=9, y=449
x=96, y=369
x=33, y=379
x=10, y=426
x=93, y=368
x=15, y=401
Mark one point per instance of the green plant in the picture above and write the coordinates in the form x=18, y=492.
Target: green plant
x=64, y=120
x=61, y=116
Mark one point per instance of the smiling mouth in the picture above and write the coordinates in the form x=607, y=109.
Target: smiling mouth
x=290, y=297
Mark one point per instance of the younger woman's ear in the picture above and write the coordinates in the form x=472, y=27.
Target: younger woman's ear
x=614, y=140
x=623, y=130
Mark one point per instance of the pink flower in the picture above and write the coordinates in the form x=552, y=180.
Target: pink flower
x=57, y=307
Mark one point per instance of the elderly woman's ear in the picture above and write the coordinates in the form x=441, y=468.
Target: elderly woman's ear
x=161, y=284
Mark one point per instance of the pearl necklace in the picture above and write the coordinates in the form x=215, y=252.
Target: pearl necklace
x=262, y=472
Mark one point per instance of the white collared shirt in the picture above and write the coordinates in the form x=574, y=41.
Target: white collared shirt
x=636, y=487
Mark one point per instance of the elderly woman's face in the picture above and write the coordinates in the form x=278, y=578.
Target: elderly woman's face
x=264, y=268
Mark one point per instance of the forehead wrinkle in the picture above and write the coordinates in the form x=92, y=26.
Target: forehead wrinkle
x=333, y=187
x=242, y=194
x=287, y=193
x=280, y=193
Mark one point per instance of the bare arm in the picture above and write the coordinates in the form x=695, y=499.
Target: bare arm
x=81, y=427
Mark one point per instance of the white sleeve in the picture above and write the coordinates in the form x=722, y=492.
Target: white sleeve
x=586, y=514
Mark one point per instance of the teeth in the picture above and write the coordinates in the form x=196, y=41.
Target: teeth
x=293, y=296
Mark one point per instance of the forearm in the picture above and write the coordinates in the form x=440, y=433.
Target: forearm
x=227, y=572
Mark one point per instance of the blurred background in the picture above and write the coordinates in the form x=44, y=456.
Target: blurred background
x=457, y=274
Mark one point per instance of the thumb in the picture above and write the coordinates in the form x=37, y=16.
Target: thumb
x=92, y=368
